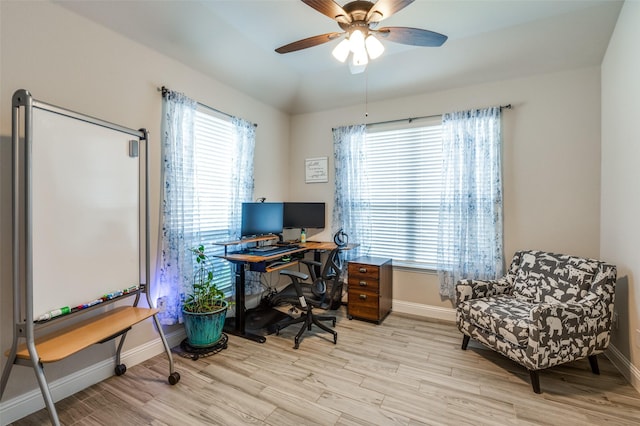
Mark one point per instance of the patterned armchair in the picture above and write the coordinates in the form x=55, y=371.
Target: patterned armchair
x=549, y=309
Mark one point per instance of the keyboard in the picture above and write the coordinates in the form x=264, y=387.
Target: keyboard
x=270, y=250
x=263, y=249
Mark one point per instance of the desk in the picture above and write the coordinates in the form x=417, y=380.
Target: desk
x=256, y=263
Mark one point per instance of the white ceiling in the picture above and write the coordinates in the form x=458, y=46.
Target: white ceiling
x=234, y=42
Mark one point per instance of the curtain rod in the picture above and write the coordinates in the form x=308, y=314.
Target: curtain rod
x=410, y=119
x=165, y=89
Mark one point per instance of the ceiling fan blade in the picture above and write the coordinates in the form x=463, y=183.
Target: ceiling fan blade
x=331, y=9
x=413, y=36
x=382, y=9
x=308, y=42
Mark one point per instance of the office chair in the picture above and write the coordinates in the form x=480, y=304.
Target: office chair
x=305, y=305
x=327, y=287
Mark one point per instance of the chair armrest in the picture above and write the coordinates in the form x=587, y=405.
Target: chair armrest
x=311, y=266
x=309, y=262
x=557, y=327
x=296, y=274
x=603, y=285
x=475, y=289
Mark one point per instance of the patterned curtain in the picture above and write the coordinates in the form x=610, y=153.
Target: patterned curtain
x=178, y=232
x=181, y=211
x=244, y=138
x=351, y=211
x=470, y=240
x=244, y=142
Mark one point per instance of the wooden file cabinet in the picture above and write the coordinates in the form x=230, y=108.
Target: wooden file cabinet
x=370, y=288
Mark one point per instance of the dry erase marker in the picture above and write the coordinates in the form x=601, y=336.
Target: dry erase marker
x=112, y=295
x=93, y=302
x=55, y=313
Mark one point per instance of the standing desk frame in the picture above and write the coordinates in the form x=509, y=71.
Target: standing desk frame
x=247, y=262
x=100, y=328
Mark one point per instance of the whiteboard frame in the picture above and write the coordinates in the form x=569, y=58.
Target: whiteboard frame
x=22, y=197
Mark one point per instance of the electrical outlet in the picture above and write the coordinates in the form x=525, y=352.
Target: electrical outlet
x=638, y=338
x=615, y=320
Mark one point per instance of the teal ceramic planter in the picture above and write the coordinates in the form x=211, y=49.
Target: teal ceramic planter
x=205, y=329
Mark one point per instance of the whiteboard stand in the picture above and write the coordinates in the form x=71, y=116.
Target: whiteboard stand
x=105, y=197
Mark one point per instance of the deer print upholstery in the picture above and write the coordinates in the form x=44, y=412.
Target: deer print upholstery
x=548, y=310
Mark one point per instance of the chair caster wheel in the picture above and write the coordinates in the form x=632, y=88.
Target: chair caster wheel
x=174, y=378
x=350, y=317
x=334, y=323
x=120, y=369
x=335, y=339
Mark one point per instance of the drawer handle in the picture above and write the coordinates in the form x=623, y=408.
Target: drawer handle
x=363, y=296
x=363, y=283
x=362, y=270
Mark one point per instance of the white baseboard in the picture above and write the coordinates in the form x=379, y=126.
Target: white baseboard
x=30, y=402
x=624, y=366
x=427, y=311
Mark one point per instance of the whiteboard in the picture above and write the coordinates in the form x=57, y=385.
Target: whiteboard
x=85, y=210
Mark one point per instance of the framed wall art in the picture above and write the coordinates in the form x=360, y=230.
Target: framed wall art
x=316, y=170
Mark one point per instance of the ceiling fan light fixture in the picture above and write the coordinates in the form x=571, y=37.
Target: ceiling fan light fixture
x=342, y=50
x=359, y=19
x=356, y=41
x=374, y=47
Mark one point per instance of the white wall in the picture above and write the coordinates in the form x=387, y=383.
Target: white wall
x=551, y=163
x=620, y=229
x=66, y=60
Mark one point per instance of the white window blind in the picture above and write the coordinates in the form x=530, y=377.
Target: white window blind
x=213, y=185
x=403, y=165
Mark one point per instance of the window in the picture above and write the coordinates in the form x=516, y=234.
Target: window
x=403, y=163
x=214, y=186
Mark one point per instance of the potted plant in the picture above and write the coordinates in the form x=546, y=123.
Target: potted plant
x=204, y=309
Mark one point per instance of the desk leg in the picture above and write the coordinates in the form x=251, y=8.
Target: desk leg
x=317, y=256
x=239, y=322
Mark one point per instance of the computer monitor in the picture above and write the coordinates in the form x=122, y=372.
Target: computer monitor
x=261, y=219
x=304, y=215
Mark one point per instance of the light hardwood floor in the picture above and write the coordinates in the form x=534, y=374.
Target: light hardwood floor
x=406, y=371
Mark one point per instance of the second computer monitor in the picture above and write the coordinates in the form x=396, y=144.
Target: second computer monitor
x=304, y=215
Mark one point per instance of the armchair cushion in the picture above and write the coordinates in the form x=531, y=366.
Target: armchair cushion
x=548, y=277
x=504, y=316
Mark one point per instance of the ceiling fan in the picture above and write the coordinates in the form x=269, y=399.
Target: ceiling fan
x=359, y=20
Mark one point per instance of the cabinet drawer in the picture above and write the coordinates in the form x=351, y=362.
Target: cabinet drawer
x=364, y=271
x=363, y=304
x=363, y=283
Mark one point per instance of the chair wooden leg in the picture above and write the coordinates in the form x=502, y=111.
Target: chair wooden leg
x=465, y=342
x=535, y=380
x=593, y=362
